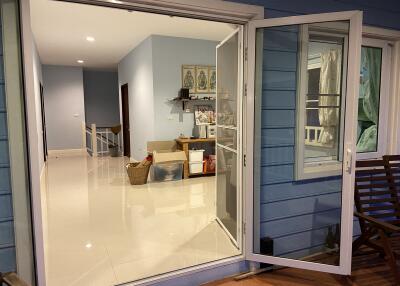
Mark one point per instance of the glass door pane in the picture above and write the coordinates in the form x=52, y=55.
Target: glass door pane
x=369, y=99
x=228, y=123
x=301, y=142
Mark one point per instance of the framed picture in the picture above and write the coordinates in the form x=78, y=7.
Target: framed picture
x=202, y=78
x=212, y=81
x=189, y=77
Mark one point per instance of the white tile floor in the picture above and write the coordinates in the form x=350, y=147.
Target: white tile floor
x=100, y=230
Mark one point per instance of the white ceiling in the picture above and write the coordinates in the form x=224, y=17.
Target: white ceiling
x=60, y=30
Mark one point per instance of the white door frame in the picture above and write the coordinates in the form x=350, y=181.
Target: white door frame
x=206, y=9
x=222, y=11
x=239, y=139
x=355, y=35
x=216, y=10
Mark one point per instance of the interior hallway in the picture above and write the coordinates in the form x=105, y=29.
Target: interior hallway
x=100, y=230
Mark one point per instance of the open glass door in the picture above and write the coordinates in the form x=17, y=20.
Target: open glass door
x=228, y=113
x=301, y=133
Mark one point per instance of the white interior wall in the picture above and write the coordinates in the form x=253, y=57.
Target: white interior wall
x=37, y=79
x=64, y=106
x=153, y=73
x=169, y=54
x=136, y=70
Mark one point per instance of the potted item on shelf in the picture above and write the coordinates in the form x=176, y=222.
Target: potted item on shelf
x=113, y=148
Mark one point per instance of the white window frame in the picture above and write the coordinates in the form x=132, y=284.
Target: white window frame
x=330, y=168
x=383, y=98
x=323, y=168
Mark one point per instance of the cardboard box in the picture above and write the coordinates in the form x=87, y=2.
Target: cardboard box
x=161, y=146
x=165, y=152
x=167, y=160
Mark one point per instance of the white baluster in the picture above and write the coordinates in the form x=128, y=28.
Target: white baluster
x=94, y=140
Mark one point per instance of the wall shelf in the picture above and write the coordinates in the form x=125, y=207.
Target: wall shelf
x=184, y=101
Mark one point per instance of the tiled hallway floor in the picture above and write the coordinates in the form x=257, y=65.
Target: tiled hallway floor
x=100, y=230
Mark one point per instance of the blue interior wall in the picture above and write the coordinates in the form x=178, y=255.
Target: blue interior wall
x=7, y=245
x=379, y=13
x=101, y=97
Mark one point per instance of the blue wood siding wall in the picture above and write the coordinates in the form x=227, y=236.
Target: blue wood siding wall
x=379, y=13
x=7, y=246
x=295, y=214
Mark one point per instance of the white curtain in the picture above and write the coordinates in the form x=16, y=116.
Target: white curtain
x=329, y=84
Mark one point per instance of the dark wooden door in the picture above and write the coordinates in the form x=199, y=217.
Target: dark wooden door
x=125, y=120
x=43, y=123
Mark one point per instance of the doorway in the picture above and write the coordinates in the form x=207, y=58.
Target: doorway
x=125, y=120
x=151, y=236
x=44, y=137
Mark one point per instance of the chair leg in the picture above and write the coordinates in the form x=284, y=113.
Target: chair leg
x=360, y=241
x=390, y=256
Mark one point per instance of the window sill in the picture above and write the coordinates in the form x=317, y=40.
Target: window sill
x=318, y=170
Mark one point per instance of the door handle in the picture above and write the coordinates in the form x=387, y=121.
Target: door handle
x=349, y=160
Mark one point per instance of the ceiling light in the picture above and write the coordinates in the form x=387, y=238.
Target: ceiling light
x=88, y=245
x=80, y=61
x=90, y=39
x=116, y=1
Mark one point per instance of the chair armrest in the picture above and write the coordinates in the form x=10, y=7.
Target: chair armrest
x=378, y=223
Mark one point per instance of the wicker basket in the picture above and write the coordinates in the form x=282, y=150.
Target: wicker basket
x=138, y=172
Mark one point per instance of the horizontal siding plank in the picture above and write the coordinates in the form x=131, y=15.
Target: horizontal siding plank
x=304, y=240
x=277, y=137
x=278, y=119
x=1, y=69
x=281, y=40
x=6, y=233
x=5, y=206
x=3, y=125
x=291, y=208
x=278, y=155
x=5, y=179
x=2, y=97
x=279, y=60
x=279, y=80
x=293, y=190
x=279, y=99
x=7, y=259
x=298, y=224
x=4, y=158
x=276, y=174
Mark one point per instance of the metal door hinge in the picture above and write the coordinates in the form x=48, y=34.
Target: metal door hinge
x=245, y=89
x=244, y=161
x=245, y=54
x=244, y=228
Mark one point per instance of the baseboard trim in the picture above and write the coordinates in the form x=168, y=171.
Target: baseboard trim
x=67, y=153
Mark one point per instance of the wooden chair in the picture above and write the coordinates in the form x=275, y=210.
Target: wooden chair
x=378, y=210
x=392, y=164
x=11, y=279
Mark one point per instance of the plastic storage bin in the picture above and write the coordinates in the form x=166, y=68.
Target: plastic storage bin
x=196, y=156
x=196, y=168
x=168, y=172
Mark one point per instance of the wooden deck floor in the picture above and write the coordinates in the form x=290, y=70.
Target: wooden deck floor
x=368, y=270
